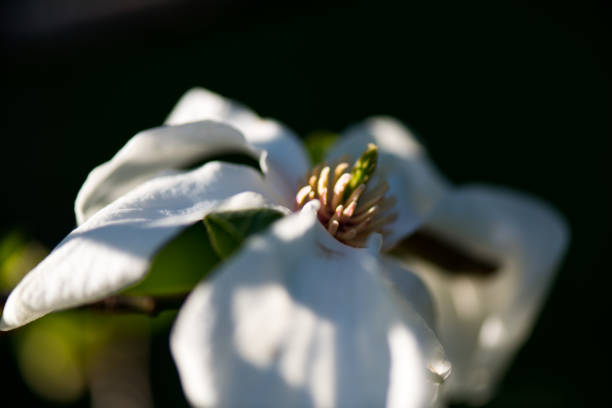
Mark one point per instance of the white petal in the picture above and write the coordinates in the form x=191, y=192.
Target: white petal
x=151, y=153
x=298, y=319
x=403, y=163
x=410, y=287
x=201, y=104
x=113, y=249
x=287, y=160
x=483, y=321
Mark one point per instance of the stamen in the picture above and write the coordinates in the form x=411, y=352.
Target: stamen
x=347, y=235
x=356, y=219
x=322, y=185
x=349, y=210
x=302, y=194
x=352, y=201
x=339, y=188
x=340, y=168
x=382, y=221
x=373, y=197
x=332, y=228
x=387, y=203
x=312, y=180
x=337, y=213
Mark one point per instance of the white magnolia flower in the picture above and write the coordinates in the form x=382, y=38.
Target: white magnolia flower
x=295, y=317
x=483, y=318
x=485, y=309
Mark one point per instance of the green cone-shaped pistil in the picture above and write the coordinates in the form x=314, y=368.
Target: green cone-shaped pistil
x=362, y=170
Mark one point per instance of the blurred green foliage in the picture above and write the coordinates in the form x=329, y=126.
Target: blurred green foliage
x=17, y=256
x=194, y=253
x=179, y=265
x=228, y=229
x=317, y=144
x=60, y=355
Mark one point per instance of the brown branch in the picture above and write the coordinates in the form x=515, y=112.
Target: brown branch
x=425, y=244
x=451, y=257
x=147, y=305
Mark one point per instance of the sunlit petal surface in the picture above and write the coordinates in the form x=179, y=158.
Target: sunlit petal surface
x=155, y=152
x=298, y=319
x=411, y=287
x=113, y=249
x=286, y=160
x=482, y=320
x=403, y=163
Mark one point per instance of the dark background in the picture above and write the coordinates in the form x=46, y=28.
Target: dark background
x=500, y=92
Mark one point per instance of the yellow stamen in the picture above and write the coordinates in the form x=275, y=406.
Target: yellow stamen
x=349, y=210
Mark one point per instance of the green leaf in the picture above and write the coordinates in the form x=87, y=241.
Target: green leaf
x=317, y=144
x=224, y=236
x=227, y=230
x=194, y=253
x=179, y=265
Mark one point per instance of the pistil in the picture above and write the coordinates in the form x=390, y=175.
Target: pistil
x=350, y=208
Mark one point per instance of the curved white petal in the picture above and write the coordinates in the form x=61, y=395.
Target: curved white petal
x=298, y=319
x=113, y=249
x=483, y=320
x=410, y=287
x=151, y=153
x=403, y=163
x=201, y=104
x=287, y=160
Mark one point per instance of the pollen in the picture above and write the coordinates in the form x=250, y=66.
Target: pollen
x=354, y=202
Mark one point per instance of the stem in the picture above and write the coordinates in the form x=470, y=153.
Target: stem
x=147, y=305
x=424, y=244
x=449, y=256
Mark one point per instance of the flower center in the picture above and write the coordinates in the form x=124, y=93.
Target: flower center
x=351, y=209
